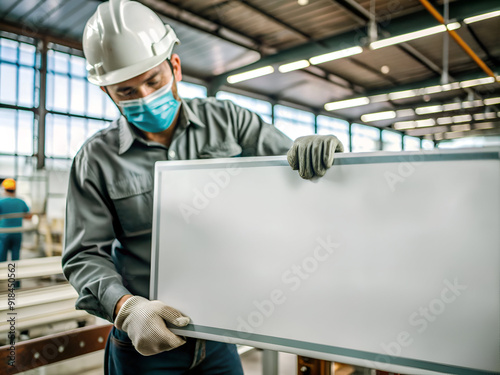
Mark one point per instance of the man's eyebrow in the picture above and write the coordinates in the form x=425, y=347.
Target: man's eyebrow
x=149, y=78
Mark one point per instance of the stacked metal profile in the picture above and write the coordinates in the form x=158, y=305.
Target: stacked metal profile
x=39, y=310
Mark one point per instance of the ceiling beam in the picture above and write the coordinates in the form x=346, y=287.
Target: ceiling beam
x=374, y=71
x=49, y=37
x=481, y=45
x=209, y=26
x=275, y=19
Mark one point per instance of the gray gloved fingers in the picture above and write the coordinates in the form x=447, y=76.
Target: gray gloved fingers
x=340, y=146
x=319, y=148
x=306, y=170
x=292, y=156
x=328, y=153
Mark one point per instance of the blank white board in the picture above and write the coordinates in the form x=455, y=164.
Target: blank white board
x=389, y=261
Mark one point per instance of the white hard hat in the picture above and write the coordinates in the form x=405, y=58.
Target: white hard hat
x=124, y=39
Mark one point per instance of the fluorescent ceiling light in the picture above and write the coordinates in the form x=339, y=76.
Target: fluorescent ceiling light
x=405, y=112
x=472, y=103
x=379, y=98
x=429, y=109
x=402, y=94
x=453, y=135
x=349, y=103
x=492, y=101
x=433, y=89
x=451, y=107
x=481, y=17
x=250, y=74
x=484, y=125
x=424, y=131
x=451, y=86
x=301, y=64
x=335, y=55
x=369, y=117
x=461, y=118
x=401, y=125
x=426, y=122
x=444, y=120
x=479, y=116
x=407, y=37
x=490, y=115
x=460, y=128
x=453, y=26
x=476, y=82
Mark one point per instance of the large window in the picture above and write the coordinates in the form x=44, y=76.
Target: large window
x=16, y=129
x=427, y=144
x=262, y=108
x=293, y=122
x=191, y=90
x=18, y=98
x=411, y=143
x=77, y=108
x=391, y=141
x=339, y=128
x=471, y=142
x=365, y=138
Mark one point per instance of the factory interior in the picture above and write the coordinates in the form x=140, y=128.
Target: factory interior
x=381, y=75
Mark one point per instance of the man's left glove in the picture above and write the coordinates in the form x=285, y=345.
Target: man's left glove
x=312, y=155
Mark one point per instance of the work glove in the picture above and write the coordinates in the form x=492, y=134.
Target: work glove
x=144, y=321
x=312, y=155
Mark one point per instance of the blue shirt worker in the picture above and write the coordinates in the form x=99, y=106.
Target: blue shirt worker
x=107, y=252
x=10, y=206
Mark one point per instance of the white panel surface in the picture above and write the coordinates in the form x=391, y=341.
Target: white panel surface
x=391, y=260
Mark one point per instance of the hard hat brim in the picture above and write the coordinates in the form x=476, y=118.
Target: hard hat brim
x=128, y=72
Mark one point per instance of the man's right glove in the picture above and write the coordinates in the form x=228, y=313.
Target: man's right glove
x=144, y=321
x=312, y=155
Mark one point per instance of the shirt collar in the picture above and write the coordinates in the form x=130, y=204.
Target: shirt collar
x=188, y=117
x=128, y=134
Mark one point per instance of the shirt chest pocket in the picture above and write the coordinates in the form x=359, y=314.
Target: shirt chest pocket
x=133, y=201
x=224, y=149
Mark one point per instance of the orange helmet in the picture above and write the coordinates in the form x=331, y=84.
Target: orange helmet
x=9, y=184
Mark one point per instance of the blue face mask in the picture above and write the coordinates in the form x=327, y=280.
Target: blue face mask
x=153, y=113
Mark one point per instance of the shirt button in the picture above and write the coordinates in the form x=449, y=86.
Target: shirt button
x=171, y=154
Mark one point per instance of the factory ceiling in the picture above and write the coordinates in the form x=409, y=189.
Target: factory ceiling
x=346, y=60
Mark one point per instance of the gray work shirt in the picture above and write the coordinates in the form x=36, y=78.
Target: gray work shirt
x=107, y=251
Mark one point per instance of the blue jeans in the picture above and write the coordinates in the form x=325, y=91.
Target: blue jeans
x=193, y=358
x=12, y=242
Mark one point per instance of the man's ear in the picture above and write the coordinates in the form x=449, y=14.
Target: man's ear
x=176, y=64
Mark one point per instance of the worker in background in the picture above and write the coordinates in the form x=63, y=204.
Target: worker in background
x=107, y=251
x=9, y=205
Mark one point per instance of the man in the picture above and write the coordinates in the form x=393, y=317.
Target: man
x=10, y=206
x=109, y=209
